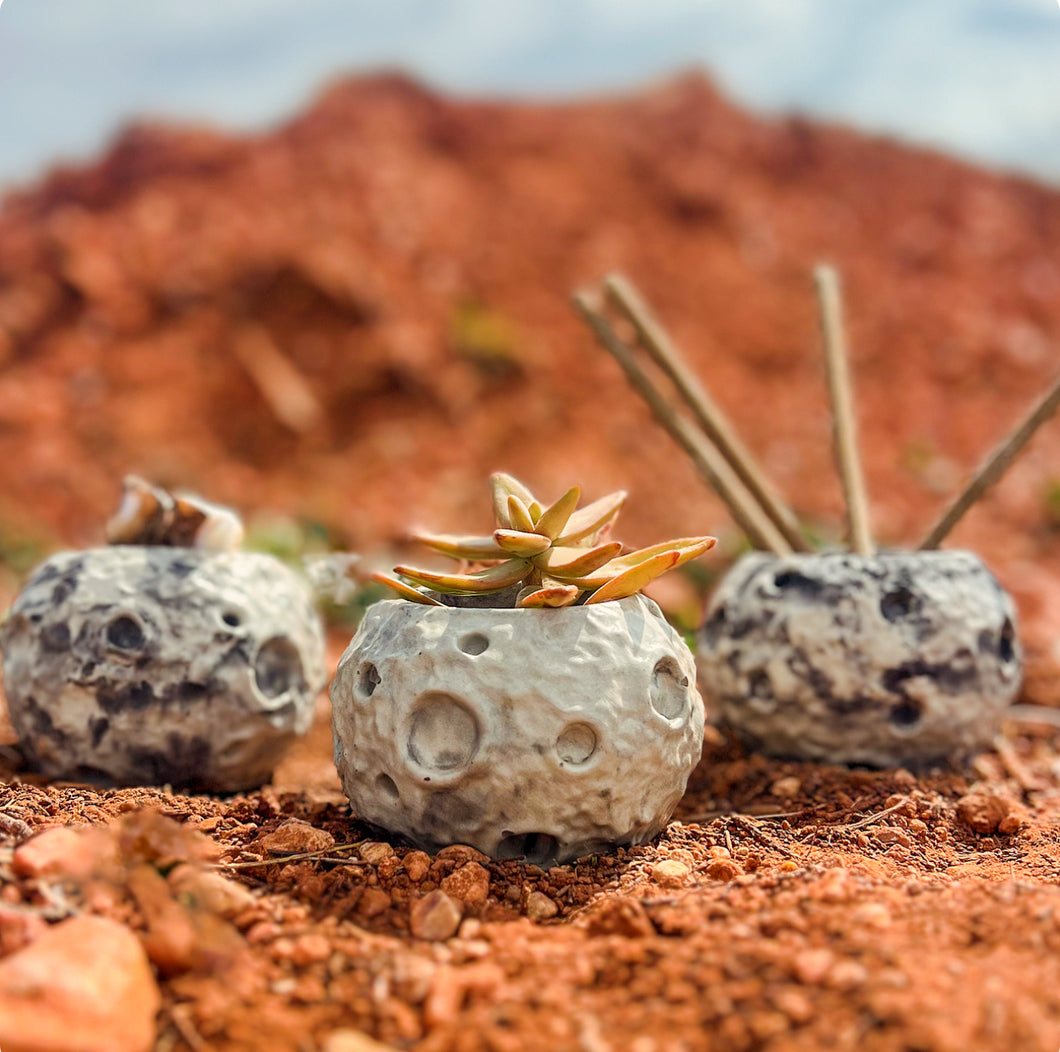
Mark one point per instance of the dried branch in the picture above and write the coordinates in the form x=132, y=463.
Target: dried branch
x=844, y=421
x=707, y=413
x=994, y=467
x=707, y=460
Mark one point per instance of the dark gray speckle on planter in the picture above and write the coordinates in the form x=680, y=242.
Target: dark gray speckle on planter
x=145, y=665
x=902, y=658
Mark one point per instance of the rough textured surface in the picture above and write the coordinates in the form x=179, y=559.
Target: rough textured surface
x=144, y=665
x=904, y=658
x=83, y=986
x=542, y=734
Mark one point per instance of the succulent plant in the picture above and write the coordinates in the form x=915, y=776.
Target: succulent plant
x=560, y=554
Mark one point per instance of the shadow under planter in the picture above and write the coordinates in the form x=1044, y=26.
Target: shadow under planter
x=142, y=665
x=904, y=658
x=537, y=734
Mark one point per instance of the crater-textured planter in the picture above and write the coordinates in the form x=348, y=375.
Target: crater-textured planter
x=146, y=665
x=901, y=658
x=544, y=734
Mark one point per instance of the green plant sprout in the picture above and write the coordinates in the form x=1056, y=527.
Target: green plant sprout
x=560, y=554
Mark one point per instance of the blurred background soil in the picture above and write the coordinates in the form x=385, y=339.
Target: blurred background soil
x=341, y=327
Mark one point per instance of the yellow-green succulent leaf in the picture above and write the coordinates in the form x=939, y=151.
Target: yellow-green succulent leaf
x=535, y=509
x=459, y=547
x=576, y=562
x=406, y=591
x=550, y=596
x=502, y=487
x=493, y=579
x=555, y=517
x=686, y=547
x=518, y=516
x=635, y=578
x=590, y=520
x=524, y=545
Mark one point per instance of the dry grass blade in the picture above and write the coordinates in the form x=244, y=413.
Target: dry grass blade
x=302, y=856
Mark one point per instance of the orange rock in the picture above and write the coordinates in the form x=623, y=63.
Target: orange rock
x=470, y=884
x=295, y=837
x=209, y=891
x=985, y=811
x=416, y=864
x=65, y=852
x=436, y=916
x=83, y=986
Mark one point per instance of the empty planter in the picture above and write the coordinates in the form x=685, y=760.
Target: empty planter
x=900, y=658
x=144, y=665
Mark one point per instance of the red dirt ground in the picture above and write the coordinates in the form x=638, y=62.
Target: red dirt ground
x=412, y=257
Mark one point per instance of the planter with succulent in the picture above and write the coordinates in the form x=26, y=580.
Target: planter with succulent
x=167, y=656
x=535, y=706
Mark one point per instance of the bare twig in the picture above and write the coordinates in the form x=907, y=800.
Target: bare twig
x=1033, y=714
x=707, y=414
x=284, y=388
x=844, y=422
x=708, y=462
x=994, y=467
x=1014, y=766
x=319, y=856
x=761, y=835
x=876, y=817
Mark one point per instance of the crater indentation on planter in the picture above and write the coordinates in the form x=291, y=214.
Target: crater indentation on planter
x=125, y=633
x=277, y=667
x=368, y=679
x=232, y=618
x=1006, y=646
x=474, y=643
x=538, y=849
x=669, y=689
x=906, y=714
x=387, y=786
x=898, y=603
x=576, y=743
x=444, y=734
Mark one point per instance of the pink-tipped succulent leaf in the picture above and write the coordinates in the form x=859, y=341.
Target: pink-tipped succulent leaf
x=554, y=595
x=406, y=591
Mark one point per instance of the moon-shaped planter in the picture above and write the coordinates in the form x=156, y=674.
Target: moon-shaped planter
x=897, y=659
x=541, y=734
x=146, y=665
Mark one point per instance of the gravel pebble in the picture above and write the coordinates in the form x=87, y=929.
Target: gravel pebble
x=670, y=873
x=470, y=884
x=540, y=907
x=294, y=837
x=435, y=917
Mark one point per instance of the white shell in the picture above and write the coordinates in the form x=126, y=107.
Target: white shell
x=901, y=658
x=146, y=665
x=545, y=734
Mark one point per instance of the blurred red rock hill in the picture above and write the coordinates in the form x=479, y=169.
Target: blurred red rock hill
x=397, y=265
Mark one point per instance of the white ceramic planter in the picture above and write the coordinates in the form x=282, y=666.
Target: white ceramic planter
x=902, y=658
x=544, y=734
x=146, y=665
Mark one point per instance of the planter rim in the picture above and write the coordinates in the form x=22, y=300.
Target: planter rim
x=521, y=611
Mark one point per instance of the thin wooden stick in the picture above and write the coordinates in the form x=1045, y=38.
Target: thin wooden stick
x=708, y=462
x=707, y=414
x=994, y=467
x=844, y=423
x=285, y=390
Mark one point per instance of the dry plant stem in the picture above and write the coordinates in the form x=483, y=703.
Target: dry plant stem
x=1034, y=714
x=844, y=423
x=994, y=467
x=285, y=390
x=707, y=414
x=708, y=462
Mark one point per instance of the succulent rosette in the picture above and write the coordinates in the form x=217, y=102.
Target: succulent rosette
x=561, y=554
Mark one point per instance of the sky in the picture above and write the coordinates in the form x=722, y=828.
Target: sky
x=978, y=78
